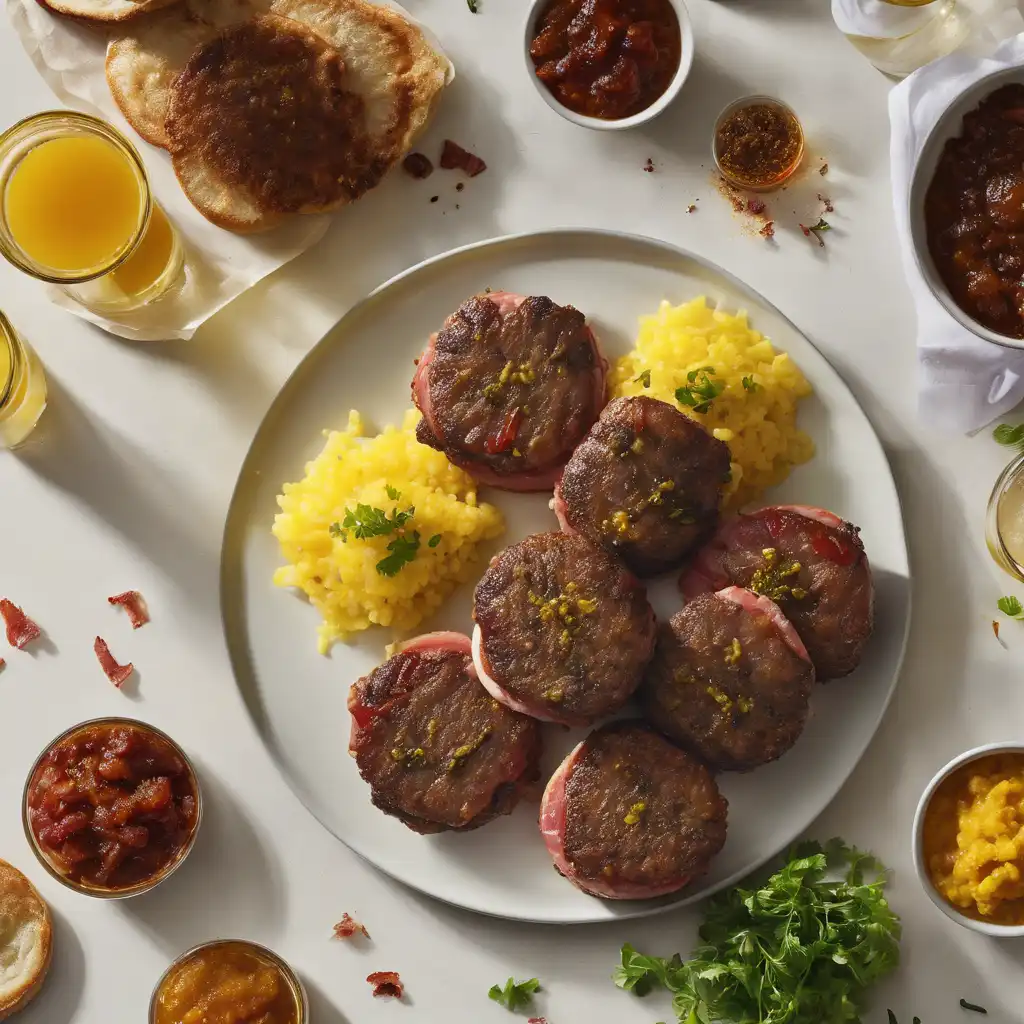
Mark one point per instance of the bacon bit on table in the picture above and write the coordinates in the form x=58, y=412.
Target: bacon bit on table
x=823, y=170
x=2, y=663
x=116, y=673
x=537, y=1020
x=995, y=630
x=829, y=208
x=768, y=231
x=21, y=630
x=134, y=604
x=649, y=166
x=755, y=206
x=434, y=199
x=454, y=157
x=348, y=926
x=460, y=186
x=386, y=983
x=418, y=165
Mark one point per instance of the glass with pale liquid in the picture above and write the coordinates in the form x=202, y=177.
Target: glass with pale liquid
x=76, y=210
x=1004, y=523
x=900, y=36
x=22, y=387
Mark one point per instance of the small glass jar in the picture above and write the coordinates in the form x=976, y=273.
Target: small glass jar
x=144, y=265
x=783, y=163
x=251, y=951
x=1004, y=520
x=900, y=36
x=22, y=387
x=82, y=886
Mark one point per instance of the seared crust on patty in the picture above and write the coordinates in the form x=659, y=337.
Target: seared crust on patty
x=26, y=940
x=265, y=106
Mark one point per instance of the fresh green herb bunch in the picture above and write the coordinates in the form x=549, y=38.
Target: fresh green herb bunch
x=798, y=949
x=700, y=390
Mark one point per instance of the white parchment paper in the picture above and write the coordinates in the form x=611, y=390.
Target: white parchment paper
x=220, y=265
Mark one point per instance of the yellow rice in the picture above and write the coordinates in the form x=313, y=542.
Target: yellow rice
x=759, y=425
x=339, y=576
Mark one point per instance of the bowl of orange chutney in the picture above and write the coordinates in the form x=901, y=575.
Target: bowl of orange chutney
x=229, y=981
x=969, y=839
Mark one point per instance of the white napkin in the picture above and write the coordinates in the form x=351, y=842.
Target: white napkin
x=875, y=19
x=963, y=382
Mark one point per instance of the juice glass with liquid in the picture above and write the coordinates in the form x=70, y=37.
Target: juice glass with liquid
x=900, y=36
x=1004, y=523
x=76, y=210
x=22, y=387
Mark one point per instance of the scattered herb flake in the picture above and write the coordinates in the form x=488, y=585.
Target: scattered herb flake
x=1011, y=607
x=692, y=208
x=799, y=947
x=817, y=230
x=392, y=492
x=644, y=378
x=972, y=1006
x=700, y=390
x=823, y=170
x=473, y=5
x=434, y=541
x=749, y=384
x=515, y=994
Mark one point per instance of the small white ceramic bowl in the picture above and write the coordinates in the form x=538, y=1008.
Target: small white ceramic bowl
x=1003, y=931
x=950, y=125
x=648, y=114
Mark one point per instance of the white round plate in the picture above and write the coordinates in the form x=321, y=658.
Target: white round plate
x=297, y=697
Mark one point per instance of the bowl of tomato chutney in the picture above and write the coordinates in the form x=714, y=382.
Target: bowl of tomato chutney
x=112, y=807
x=229, y=981
x=608, y=64
x=967, y=208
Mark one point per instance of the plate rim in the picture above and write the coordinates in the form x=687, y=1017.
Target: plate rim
x=638, y=909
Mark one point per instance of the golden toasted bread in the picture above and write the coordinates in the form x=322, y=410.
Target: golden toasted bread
x=107, y=11
x=389, y=65
x=26, y=940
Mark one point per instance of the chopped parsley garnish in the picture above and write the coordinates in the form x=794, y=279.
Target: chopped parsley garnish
x=368, y=521
x=893, y=1020
x=972, y=1006
x=749, y=384
x=644, y=378
x=800, y=947
x=474, y=6
x=515, y=994
x=700, y=390
x=817, y=230
x=403, y=550
x=1011, y=607
x=1012, y=437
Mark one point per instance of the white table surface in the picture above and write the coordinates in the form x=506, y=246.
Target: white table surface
x=127, y=484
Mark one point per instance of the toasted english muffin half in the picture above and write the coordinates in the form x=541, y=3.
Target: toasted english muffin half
x=107, y=11
x=26, y=940
x=389, y=64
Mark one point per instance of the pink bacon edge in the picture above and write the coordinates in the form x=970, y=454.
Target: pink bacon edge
x=754, y=603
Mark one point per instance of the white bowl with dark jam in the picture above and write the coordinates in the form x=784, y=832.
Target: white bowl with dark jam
x=649, y=55
x=967, y=208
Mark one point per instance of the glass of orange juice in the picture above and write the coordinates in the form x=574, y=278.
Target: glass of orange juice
x=76, y=210
x=22, y=387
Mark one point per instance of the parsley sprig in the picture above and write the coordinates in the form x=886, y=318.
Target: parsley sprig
x=1011, y=607
x=368, y=521
x=700, y=390
x=800, y=948
x=515, y=994
x=1011, y=436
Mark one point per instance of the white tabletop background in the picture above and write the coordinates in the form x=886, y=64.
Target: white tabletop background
x=127, y=483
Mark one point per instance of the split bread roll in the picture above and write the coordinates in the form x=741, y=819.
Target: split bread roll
x=108, y=11
x=26, y=940
x=184, y=77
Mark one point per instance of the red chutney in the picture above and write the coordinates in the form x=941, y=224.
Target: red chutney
x=974, y=213
x=607, y=58
x=112, y=805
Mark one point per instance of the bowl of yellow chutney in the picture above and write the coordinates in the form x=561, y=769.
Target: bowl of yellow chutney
x=969, y=839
